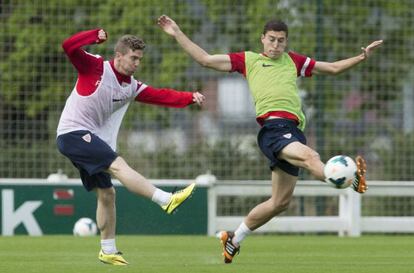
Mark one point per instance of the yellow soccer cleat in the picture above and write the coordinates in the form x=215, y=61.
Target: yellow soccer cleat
x=113, y=259
x=178, y=198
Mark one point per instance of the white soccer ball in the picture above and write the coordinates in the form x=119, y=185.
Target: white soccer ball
x=85, y=227
x=340, y=171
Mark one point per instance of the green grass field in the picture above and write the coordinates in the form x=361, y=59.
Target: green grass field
x=178, y=254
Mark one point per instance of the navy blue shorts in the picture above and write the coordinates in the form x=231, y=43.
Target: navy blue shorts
x=91, y=156
x=274, y=136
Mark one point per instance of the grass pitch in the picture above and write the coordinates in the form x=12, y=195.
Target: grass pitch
x=179, y=254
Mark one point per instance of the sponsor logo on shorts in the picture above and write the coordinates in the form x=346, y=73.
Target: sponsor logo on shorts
x=87, y=138
x=288, y=136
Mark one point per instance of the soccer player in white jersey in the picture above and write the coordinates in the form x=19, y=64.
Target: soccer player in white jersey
x=272, y=78
x=89, y=125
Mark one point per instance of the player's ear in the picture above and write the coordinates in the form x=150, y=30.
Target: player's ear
x=262, y=37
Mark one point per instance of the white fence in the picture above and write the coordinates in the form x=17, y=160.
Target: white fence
x=348, y=222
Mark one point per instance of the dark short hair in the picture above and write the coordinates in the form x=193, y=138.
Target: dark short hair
x=129, y=42
x=275, y=25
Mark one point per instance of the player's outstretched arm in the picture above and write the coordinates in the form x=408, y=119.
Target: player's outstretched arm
x=83, y=38
x=333, y=68
x=169, y=97
x=220, y=62
x=84, y=62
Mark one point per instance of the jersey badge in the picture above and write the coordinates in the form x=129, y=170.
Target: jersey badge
x=87, y=138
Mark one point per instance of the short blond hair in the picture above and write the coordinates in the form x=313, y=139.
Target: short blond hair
x=129, y=42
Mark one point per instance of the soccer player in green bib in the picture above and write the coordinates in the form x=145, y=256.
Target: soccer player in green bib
x=271, y=76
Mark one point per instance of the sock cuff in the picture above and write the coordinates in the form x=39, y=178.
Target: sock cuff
x=241, y=232
x=161, y=197
x=108, y=241
x=245, y=228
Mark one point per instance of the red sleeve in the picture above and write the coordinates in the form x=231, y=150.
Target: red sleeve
x=89, y=67
x=238, y=62
x=165, y=97
x=304, y=64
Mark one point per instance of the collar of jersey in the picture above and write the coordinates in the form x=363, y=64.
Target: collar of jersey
x=120, y=77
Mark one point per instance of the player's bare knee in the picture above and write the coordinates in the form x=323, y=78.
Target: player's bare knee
x=107, y=196
x=311, y=158
x=117, y=165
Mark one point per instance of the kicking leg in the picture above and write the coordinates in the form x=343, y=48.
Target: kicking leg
x=131, y=179
x=303, y=156
x=138, y=184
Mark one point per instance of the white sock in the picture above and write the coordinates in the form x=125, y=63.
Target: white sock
x=108, y=246
x=161, y=197
x=241, y=232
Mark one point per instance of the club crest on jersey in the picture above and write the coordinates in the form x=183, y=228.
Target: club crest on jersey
x=288, y=136
x=87, y=138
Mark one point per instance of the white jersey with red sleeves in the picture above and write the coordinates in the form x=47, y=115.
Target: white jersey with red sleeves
x=102, y=111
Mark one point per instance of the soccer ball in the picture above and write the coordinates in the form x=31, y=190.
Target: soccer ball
x=85, y=227
x=340, y=171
